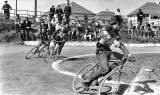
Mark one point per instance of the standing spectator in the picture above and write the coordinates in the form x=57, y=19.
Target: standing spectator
x=6, y=7
x=67, y=12
x=52, y=12
x=139, y=18
x=27, y=28
x=59, y=13
x=118, y=12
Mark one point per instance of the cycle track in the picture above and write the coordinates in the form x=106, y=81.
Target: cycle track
x=133, y=86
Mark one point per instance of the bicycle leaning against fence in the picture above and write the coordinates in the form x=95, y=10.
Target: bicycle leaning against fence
x=107, y=84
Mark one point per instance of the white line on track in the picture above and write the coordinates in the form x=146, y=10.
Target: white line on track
x=56, y=66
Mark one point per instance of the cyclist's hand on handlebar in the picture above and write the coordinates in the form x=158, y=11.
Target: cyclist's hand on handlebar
x=116, y=43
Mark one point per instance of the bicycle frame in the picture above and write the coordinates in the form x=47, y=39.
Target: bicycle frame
x=117, y=69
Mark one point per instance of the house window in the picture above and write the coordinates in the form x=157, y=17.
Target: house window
x=154, y=17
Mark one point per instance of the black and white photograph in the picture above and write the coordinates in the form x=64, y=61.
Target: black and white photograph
x=80, y=47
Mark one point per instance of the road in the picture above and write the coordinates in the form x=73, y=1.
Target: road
x=35, y=77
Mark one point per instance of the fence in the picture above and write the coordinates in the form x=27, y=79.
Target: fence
x=27, y=13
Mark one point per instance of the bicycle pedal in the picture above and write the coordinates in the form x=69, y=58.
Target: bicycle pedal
x=84, y=77
x=109, y=78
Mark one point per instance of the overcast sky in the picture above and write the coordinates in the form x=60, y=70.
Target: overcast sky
x=95, y=6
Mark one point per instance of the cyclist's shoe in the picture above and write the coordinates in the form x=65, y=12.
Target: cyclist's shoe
x=109, y=78
x=95, y=82
x=131, y=58
x=86, y=84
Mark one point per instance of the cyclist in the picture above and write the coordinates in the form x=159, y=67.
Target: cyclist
x=44, y=33
x=109, y=36
x=60, y=38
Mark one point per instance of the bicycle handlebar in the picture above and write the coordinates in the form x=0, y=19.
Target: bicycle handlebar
x=56, y=41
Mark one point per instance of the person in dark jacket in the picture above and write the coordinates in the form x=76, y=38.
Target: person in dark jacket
x=67, y=12
x=108, y=36
x=27, y=28
x=6, y=7
x=140, y=16
x=52, y=12
x=59, y=13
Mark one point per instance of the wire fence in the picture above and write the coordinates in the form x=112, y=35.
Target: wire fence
x=27, y=13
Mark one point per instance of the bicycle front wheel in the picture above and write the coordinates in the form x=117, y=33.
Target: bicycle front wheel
x=48, y=54
x=32, y=52
x=114, y=83
x=42, y=51
x=77, y=81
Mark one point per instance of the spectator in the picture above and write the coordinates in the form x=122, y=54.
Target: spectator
x=58, y=26
x=52, y=26
x=6, y=7
x=27, y=28
x=154, y=30
x=79, y=31
x=130, y=28
x=18, y=27
x=118, y=12
x=59, y=13
x=139, y=18
x=67, y=12
x=52, y=12
x=88, y=34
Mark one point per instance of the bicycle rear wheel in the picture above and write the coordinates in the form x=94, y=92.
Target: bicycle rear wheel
x=114, y=83
x=32, y=52
x=77, y=81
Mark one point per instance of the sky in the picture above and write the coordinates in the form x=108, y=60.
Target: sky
x=95, y=6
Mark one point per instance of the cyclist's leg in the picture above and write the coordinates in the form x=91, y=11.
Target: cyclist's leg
x=60, y=47
x=101, y=71
x=56, y=48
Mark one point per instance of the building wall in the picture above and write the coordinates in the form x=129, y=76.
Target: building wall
x=147, y=19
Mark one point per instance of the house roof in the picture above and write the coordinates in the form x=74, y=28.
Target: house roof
x=78, y=9
x=151, y=8
x=104, y=14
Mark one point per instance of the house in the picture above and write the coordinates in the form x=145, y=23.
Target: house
x=151, y=12
x=104, y=16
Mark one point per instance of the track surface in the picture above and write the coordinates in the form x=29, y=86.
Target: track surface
x=35, y=77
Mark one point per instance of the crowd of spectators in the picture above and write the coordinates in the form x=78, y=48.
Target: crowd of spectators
x=76, y=30
x=145, y=30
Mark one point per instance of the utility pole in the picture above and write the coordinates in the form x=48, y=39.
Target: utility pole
x=35, y=8
x=16, y=7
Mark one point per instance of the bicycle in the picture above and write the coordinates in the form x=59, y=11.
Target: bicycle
x=40, y=50
x=105, y=85
x=52, y=51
